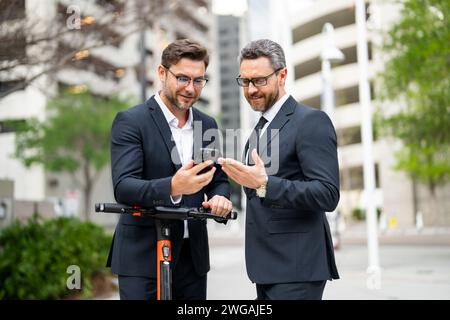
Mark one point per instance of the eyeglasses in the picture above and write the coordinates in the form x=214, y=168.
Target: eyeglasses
x=184, y=81
x=257, y=82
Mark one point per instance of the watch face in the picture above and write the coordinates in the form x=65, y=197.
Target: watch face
x=261, y=192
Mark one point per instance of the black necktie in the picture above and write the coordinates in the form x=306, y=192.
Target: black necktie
x=262, y=121
x=257, y=131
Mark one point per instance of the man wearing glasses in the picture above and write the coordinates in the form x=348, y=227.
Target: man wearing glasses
x=288, y=246
x=152, y=148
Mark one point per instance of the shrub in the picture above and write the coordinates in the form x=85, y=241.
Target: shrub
x=360, y=214
x=34, y=257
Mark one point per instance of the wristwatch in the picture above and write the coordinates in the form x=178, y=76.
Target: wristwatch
x=261, y=191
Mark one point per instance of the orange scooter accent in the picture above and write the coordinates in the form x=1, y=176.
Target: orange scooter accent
x=163, y=258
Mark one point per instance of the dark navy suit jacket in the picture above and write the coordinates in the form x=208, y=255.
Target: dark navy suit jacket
x=142, y=150
x=287, y=234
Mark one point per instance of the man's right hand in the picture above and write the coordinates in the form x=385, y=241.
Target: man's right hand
x=187, y=180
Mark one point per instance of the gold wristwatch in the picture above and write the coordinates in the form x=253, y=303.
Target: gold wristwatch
x=261, y=191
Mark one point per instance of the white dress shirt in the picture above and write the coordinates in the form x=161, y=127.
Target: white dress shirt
x=184, y=141
x=270, y=115
x=272, y=112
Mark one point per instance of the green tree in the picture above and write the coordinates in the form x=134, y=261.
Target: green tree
x=74, y=139
x=417, y=75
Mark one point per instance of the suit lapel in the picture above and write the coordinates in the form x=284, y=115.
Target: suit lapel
x=244, y=158
x=281, y=118
x=277, y=123
x=199, y=141
x=164, y=129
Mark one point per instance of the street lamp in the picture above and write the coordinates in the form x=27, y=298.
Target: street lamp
x=142, y=78
x=330, y=54
x=373, y=269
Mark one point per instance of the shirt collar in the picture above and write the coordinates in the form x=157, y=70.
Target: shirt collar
x=170, y=117
x=272, y=112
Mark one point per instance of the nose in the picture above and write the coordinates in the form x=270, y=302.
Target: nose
x=251, y=88
x=190, y=87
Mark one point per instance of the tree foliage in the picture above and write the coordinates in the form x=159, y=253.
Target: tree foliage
x=417, y=75
x=34, y=45
x=74, y=138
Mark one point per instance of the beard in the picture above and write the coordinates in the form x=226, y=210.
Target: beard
x=265, y=101
x=181, y=105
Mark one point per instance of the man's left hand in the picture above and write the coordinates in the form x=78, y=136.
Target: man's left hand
x=219, y=205
x=251, y=177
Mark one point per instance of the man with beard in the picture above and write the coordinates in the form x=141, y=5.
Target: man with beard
x=152, y=147
x=290, y=177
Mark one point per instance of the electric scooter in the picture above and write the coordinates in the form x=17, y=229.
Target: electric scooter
x=162, y=216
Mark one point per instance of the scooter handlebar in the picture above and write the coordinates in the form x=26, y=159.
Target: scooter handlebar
x=109, y=207
x=161, y=212
x=201, y=212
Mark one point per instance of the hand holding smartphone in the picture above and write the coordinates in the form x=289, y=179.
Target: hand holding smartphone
x=206, y=154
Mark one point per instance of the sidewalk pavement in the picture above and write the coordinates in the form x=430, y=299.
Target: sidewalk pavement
x=356, y=234
x=408, y=272
x=414, y=265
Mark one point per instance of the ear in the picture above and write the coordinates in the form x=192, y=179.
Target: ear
x=283, y=75
x=161, y=73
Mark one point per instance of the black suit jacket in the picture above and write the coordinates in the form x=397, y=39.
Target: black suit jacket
x=287, y=234
x=142, y=150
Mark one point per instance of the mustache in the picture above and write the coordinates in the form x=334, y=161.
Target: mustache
x=187, y=95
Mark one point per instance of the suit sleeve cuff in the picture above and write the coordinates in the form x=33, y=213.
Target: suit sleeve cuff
x=271, y=187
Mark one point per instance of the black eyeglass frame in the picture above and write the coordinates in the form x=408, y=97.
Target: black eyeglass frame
x=240, y=80
x=187, y=80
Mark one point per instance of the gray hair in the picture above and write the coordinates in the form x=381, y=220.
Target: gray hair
x=264, y=48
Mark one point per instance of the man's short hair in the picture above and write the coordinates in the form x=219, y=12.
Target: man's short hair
x=184, y=48
x=264, y=48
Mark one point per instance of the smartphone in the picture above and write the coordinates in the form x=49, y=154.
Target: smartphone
x=206, y=154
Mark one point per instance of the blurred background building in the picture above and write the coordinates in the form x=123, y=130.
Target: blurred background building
x=397, y=198
x=307, y=46
x=112, y=47
x=228, y=47
x=126, y=67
